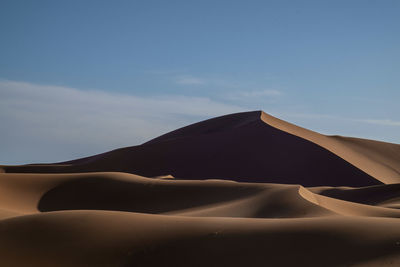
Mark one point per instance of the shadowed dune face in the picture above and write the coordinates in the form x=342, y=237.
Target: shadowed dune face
x=139, y=195
x=298, y=198
x=372, y=195
x=238, y=147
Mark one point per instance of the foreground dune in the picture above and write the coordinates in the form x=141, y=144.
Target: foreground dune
x=242, y=190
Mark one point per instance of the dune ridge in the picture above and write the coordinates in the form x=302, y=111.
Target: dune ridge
x=244, y=189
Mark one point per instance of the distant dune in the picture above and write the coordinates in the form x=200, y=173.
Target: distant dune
x=244, y=189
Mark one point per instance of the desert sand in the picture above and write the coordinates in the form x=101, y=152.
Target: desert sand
x=244, y=189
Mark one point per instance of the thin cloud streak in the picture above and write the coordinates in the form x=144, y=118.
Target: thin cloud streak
x=190, y=80
x=253, y=96
x=385, y=122
x=259, y=93
x=262, y=93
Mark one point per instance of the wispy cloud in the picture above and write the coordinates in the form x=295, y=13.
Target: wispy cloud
x=259, y=93
x=253, y=96
x=39, y=121
x=385, y=122
x=189, y=80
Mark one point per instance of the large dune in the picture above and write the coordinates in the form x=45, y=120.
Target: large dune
x=247, y=147
x=245, y=189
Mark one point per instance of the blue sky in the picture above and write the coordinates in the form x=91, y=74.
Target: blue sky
x=82, y=77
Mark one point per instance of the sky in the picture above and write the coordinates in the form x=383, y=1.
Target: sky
x=83, y=77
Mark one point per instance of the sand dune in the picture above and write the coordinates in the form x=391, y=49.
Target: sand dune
x=244, y=148
x=245, y=189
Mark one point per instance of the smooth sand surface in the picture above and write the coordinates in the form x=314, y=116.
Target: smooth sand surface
x=244, y=189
